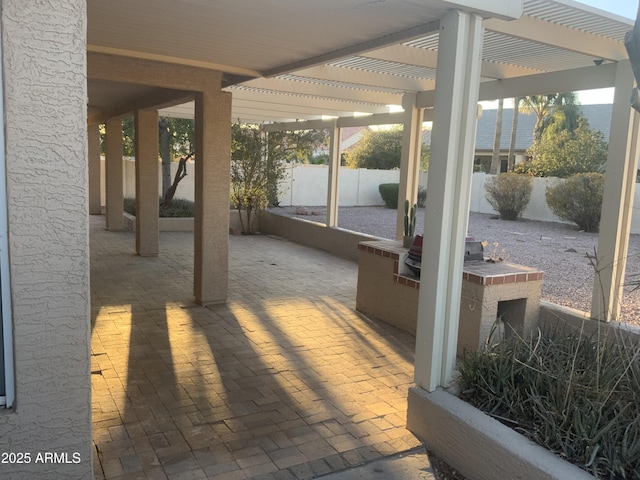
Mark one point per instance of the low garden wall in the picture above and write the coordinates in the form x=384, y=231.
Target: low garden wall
x=307, y=185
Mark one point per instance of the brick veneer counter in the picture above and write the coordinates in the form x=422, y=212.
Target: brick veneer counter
x=476, y=271
x=489, y=290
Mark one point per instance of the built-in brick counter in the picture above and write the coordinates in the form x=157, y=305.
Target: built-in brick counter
x=388, y=291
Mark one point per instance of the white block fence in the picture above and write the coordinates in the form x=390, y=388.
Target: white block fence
x=306, y=185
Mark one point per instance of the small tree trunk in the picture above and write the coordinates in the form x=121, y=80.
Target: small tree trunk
x=495, y=159
x=514, y=130
x=165, y=154
x=180, y=174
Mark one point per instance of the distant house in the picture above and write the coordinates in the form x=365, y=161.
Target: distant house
x=598, y=116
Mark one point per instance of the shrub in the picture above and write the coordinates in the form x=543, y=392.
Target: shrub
x=577, y=396
x=562, y=153
x=509, y=194
x=389, y=193
x=578, y=199
x=178, y=208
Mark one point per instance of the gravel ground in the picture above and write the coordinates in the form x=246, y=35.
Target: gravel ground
x=560, y=250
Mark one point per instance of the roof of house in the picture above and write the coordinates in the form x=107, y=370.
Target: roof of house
x=598, y=116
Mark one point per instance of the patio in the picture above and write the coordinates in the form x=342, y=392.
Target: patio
x=284, y=381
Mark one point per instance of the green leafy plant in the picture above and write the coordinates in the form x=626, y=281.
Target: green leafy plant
x=578, y=199
x=179, y=208
x=574, y=394
x=561, y=152
x=509, y=194
x=409, y=219
x=389, y=194
x=258, y=162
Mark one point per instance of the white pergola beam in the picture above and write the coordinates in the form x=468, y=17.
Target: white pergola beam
x=448, y=193
x=367, y=78
x=283, y=102
x=586, y=78
x=397, y=37
x=547, y=33
x=617, y=204
x=409, y=159
x=424, y=57
x=282, y=85
x=334, y=170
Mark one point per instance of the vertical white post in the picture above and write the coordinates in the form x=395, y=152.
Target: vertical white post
x=93, y=133
x=334, y=169
x=410, y=158
x=448, y=194
x=617, y=203
x=113, y=174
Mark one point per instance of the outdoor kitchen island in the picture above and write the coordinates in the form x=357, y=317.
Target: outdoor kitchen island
x=388, y=291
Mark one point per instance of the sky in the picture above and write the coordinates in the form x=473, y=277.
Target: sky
x=624, y=8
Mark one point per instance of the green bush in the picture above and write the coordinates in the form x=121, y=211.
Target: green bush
x=578, y=199
x=179, y=208
x=509, y=194
x=577, y=396
x=389, y=193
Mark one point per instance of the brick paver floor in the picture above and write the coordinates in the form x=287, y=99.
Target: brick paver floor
x=285, y=381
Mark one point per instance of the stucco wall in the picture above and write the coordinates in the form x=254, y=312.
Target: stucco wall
x=44, y=62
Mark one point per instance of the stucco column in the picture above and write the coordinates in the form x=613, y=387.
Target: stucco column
x=410, y=158
x=448, y=194
x=44, y=107
x=212, y=186
x=93, y=134
x=334, y=170
x=113, y=174
x=617, y=204
x=147, y=194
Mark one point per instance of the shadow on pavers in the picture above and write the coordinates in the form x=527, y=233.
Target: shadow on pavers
x=410, y=465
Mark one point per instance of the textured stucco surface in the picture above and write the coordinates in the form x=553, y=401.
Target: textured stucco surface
x=44, y=62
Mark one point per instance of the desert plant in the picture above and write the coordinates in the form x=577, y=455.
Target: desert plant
x=509, y=194
x=578, y=199
x=409, y=219
x=389, y=193
x=422, y=196
x=576, y=395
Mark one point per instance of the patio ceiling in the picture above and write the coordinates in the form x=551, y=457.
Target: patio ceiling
x=288, y=60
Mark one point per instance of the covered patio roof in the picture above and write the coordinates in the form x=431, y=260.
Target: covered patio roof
x=287, y=61
x=301, y=65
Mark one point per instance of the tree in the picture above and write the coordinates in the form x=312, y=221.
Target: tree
x=257, y=165
x=381, y=150
x=177, y=139
x=562, y=153
x=495, y=157
x=514, y=129
x=544, y=107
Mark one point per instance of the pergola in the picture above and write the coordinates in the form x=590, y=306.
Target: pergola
x=295, y=64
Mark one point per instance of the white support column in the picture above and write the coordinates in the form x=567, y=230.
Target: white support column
x=93, y=133
x=617, y=204
x=410, y=158
x=334, y=169
x=114, y=174
x=212, y=185
x=147, y=193
x=448, y=193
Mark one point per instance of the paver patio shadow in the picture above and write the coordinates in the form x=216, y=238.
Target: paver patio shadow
x=286, y=380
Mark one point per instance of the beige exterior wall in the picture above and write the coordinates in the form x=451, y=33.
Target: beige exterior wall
x=46, y=152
